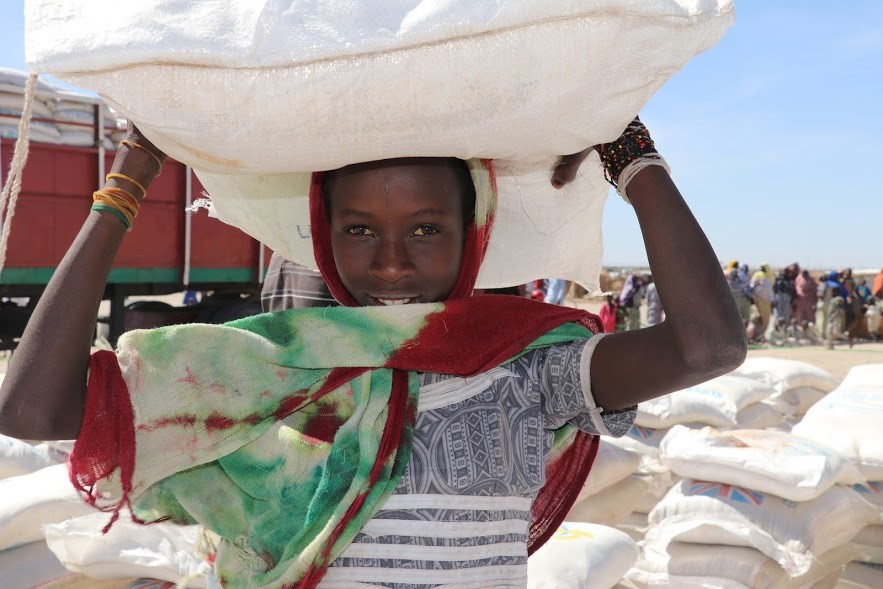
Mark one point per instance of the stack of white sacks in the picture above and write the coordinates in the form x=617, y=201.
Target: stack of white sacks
x=755, y=506
x=707, y=490
x=47, y=532
x=850, y=420
x=57, y=116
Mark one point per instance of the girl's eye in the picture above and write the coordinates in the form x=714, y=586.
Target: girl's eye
x=425, y=230
x=359, y=230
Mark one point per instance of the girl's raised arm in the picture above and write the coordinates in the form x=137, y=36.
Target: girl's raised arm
x=43, y=393
x=702, y=335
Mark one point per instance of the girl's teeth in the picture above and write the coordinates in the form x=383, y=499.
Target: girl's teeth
x=394, y=301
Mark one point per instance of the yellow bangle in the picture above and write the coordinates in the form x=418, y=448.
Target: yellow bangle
x=128, y=143
x=128, y=179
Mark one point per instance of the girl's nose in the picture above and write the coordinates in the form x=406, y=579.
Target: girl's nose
x=392, y=261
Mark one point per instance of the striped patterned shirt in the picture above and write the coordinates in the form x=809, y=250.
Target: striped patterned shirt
x=460, y=515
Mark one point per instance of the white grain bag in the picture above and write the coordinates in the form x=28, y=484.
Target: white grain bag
x=792, y=534
x=722, y=566
x=861, y=575
x=849, y=420
x=581, y=556
x=612, y=504
x=128, y=550
x=31, y=500
x=645, y=441
x=869, y=544
x=872, y=492
x=772, y=462
x=249, y=92
x=612, y=465
x=761, y=415
x=785, y=375
x=18, y=457
x=716, y=402
x=333, y=82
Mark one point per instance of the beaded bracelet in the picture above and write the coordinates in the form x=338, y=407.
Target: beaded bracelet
x=632, y=152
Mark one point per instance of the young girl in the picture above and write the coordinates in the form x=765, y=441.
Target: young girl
x=415, y=437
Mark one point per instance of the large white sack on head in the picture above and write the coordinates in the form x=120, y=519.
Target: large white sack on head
x=784, y=374
x=251, y=86
x=581, y=556
x=31, y=500
x=772, y=462
x=748, y=567
x=716, y=402
x=538, y=230
x=251, y=91
x=849, y=420
x=792, y=534
x=128, y=550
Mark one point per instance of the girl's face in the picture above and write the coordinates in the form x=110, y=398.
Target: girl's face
x=397, y=230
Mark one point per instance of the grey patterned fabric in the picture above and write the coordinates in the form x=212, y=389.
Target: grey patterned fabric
x=477, y=463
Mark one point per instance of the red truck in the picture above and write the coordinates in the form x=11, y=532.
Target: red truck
x=169, y=249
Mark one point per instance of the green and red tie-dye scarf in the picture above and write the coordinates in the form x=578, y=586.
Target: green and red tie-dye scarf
x=284, y=433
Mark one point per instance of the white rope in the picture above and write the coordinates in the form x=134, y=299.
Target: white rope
x=12, y=187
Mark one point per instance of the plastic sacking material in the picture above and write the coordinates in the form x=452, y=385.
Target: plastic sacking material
x=244, y=90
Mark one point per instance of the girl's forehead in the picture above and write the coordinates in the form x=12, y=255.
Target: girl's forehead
x=440, y=182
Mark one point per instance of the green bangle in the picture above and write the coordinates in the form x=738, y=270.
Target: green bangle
x=116, y=212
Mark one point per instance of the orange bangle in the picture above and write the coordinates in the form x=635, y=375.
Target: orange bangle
x=128, y=179
x=128, y=143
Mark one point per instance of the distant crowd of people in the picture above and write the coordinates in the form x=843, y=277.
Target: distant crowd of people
x=790, y=307
x=793, y=307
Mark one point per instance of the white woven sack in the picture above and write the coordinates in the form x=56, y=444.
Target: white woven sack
x=610, y=505
x=849, y=420
x=764, y=414
x=30, y=565
x=581, y=556
x=250, y=89
x=872, y=492
x=785, y=375
x=18, y=457
x=612, y=465
x=792, y=534
x=869, y=544
x=330, y=82
x=538, y=230
x=645, y=441
x=859, y=575
x=128, y=550
x=716, y=402
x=31, y=500
x=745, y=566
x=778, y=463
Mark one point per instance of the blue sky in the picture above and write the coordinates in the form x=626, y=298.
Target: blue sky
x=775, y=135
